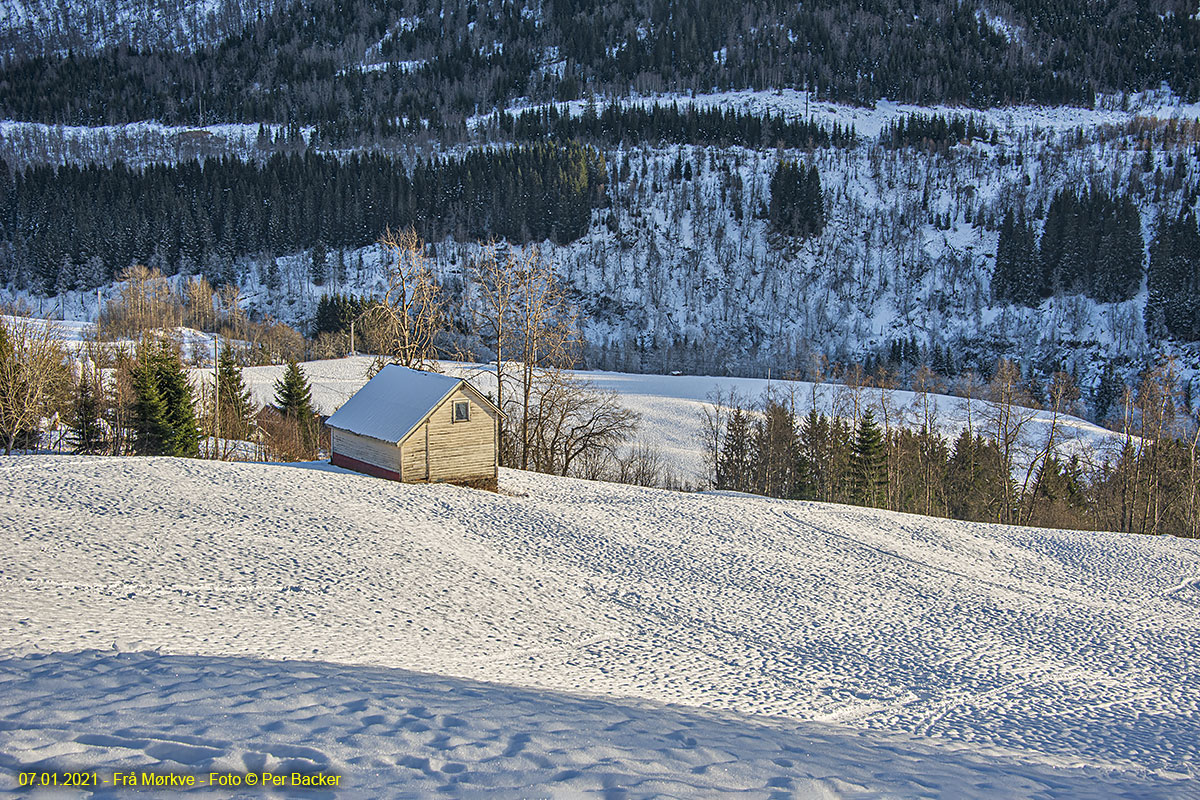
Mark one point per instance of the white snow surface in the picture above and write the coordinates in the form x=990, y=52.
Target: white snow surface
x=670, y=406
x=190, y=615
x=392, y=403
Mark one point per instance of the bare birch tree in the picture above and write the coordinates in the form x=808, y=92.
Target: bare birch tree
x=570, y=420
x=545, y=334
x=33, y=376
x=1006, y=416
x=496, y=282
x=405, y=323
x=1063, y=396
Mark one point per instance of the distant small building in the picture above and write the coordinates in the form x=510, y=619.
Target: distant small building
x=418, y=427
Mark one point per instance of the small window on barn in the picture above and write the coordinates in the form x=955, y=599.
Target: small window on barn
x=462, y=411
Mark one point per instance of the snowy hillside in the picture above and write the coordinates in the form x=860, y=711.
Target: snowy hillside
x=685, y=273
x=1026, y=663
x=670, y=406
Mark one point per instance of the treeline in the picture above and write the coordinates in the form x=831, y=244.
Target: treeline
x=140, y=400
x=998, y=469
x=1091, y=244
x=659, y=124
x=147, y=302
x=935, y=131
x=442, y=63
x=79, y=227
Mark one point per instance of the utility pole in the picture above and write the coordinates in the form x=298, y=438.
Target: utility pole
x=216, y=395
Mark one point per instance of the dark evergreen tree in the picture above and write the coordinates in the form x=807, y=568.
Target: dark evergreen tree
x=1017, y=276
x=869, y=465
x=975, y=478
x=235, y=406
x=1173, y=304
x=183, y=434
x=87, y=429
x=1121, y=255
x=163, y=418
x=816, y=453
x=775, y=451
x=293, y=400
x=734, y=462
x=1092, y=244
x=318, y=269
x=797, y=205
x=1108, y=391
x=293, y=395
x=149, y=415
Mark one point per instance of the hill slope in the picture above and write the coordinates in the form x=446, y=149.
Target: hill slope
x=1068, y=648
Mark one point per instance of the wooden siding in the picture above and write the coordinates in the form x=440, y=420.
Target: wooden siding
x=415, y=464
x=366, y=450
x=460, y=450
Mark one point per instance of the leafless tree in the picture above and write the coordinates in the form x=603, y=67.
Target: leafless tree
x=1156, y=404
x=146, y=302
x=569, y=419
x=496, y=279
x=198, y=308
x=411, y=313
x=545, y=334
x=642, y=465
x=714, y=417
x=1006, y=416
x=34, y=375
x=1063, y=396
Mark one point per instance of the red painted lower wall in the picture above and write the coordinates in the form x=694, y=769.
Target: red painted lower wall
x=339, y=460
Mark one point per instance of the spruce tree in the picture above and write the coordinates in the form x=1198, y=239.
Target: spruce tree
x=1107, y=392
x=319, y=267
x=815, y=451
x=164, y=419
x=869, y=462
x=775, y=451
x=183, y=438
x=86, y=428
x=149, y=417
x=293, y=399
x=293, y=395
x=733, y=470
x=234, y=404
x=1004, y=279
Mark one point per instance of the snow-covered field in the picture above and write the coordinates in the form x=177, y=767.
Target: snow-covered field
x=413, y=637
x=670, y=405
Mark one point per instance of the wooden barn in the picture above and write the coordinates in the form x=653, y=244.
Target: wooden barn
x=418, y=427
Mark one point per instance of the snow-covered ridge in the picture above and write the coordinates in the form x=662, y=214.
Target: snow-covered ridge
x=868, y=122
x=690, y=269
x=136, y=144
x=1070, y=652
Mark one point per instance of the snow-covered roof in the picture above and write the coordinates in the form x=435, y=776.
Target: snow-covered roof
x=393, y=403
